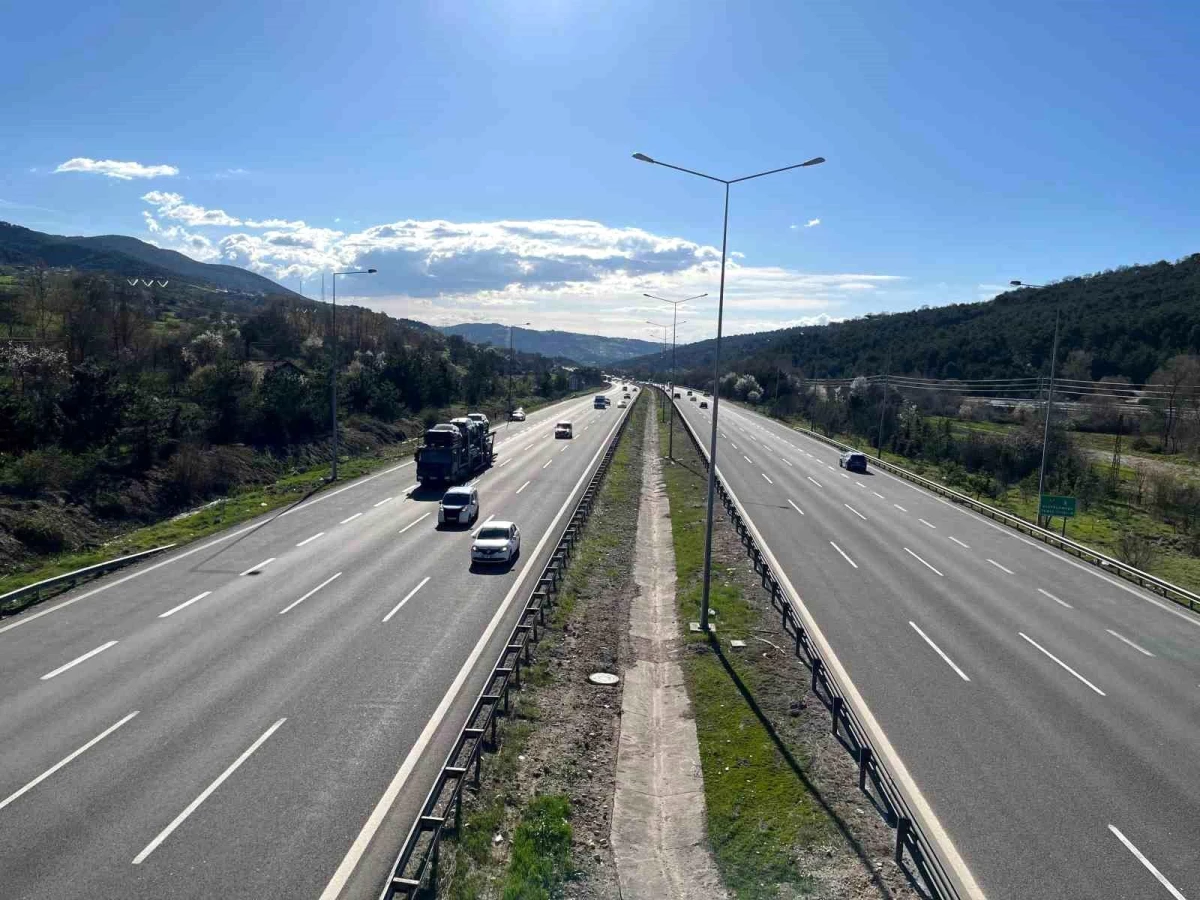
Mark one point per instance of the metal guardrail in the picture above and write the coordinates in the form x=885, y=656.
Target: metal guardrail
x=24, y=597
x=1160, y=586
x=914, y=852
x=416, y=869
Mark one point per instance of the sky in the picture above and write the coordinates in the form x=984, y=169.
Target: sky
x=478, y=154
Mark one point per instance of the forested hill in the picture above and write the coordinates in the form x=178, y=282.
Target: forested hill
x=586, y=349
x=124, y=256
x=1124, y=322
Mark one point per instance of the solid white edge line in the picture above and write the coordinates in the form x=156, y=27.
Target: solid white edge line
x=412, y=523
x=204, y=795
x=350, y=518
x=296, y=603
x=855, y=511
x=924, y=812
x=407, y=597
x=796, y=508
x=925, y=564
x=1123, y=639
x=379, y=812
x=184, y=604
x=1000, y=567
x=258, y=568
x=77, y=661
x=1055, y=599
x=960, y=543
x=843, y=552
x=309, y=540
x=11, y=798
x=522, y=487
x=1162, y=879
x=1061, y=663
x=938, y=650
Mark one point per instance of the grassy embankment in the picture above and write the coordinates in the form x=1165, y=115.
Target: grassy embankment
x=539, y=861
x=760, y=814
x=240, y=506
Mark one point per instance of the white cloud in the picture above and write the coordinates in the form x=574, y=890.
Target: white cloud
x=812, y=223
x=112, y=168
x=573, y=274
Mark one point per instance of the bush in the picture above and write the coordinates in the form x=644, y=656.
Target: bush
x=1136, y=550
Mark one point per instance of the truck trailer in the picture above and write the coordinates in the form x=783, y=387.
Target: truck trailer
x=454, y=451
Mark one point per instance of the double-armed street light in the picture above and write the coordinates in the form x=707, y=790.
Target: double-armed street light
x=675, y=323
x=334, y=368
x=712, y=453
x=1049, y=399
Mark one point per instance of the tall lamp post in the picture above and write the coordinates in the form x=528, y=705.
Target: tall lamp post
x=333, y=370
x=674, y=324
x=510, y=363
x=674, y=373
x=712, y=451
x=1049, y=399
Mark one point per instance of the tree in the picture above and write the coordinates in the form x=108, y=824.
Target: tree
x=1177, y=383
x=744, y=385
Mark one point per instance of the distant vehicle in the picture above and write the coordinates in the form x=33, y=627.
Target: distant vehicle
x=453, y=450
x=563, y=430
x=677, y=395
x=634, y=390
x=853, y=460
x=692, y=397
x=600, y=402
x=459, y=506
x=497, y=542
x=626, y=397
x=704, y=404
x=689, y=393
x=622, y=404
x=479, y=417
x=517, y=415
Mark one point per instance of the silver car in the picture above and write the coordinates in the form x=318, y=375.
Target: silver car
x=496, y=542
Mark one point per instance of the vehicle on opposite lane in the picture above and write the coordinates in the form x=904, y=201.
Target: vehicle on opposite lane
x=459, y=506
x=498, y=542
x=853, y=461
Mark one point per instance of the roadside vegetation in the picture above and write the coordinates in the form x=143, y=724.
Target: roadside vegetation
x=773, y=830
x=541, y=816
x=122, y=406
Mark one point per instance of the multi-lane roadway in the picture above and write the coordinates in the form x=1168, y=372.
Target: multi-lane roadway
x=261, y=714
x=1048, y=711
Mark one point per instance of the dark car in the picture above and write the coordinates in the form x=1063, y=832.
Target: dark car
x=853, y=461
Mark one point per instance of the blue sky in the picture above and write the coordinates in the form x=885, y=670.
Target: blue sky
x=478, y=153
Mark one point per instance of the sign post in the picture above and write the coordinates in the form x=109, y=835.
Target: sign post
x=1052, y=505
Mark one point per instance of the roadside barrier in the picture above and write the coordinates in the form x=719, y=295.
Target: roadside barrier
x=880, y=772
x=15, y=601
x=415, y=872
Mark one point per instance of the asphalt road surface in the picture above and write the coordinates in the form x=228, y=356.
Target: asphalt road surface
x=262, y=714
x=1048, y=711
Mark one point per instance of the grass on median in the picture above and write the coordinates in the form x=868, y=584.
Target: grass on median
x=537, y=863
x=760, y=815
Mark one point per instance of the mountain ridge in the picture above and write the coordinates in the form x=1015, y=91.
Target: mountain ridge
x=586, y=349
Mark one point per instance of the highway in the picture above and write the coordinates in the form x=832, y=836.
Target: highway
x=1049, y=712
x=261, y=713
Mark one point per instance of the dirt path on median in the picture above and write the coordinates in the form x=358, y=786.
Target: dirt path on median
x=658, y=826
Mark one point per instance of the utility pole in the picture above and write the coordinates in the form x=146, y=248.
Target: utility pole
x=887, y=368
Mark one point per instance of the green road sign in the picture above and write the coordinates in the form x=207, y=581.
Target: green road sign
x=1057, y=506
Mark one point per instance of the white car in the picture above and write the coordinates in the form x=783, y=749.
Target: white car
x=517, y=415
x=622, y=404
x=459, y=506
x=479, y=417
x=496, y=542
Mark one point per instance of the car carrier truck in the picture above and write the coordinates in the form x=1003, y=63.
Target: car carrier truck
x=455, y=450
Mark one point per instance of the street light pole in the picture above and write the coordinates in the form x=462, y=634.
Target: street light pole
x=333, y=368
x=674, y=372
x=1049, y=399
x=712, y=451
x=510, y=364
x=887, y=369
